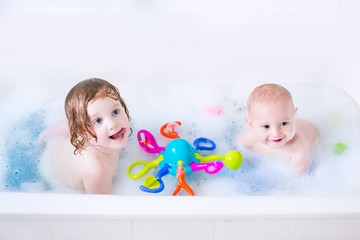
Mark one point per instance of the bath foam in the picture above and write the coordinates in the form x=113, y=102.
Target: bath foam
x=23, y=153
x=19, y=149
x=332, y=111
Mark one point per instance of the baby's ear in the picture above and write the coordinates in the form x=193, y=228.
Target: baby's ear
x=295, y=112
x=248, y=121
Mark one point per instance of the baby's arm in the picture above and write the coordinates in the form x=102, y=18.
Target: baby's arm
x=246, y=139
x=301, y=161
x=301, y=158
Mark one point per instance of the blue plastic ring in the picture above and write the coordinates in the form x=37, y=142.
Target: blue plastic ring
x=198, y=141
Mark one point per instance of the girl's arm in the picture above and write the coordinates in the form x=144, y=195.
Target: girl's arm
x=98, y=182
x=56, y=130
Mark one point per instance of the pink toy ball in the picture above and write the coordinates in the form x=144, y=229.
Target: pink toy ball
x=213, y=110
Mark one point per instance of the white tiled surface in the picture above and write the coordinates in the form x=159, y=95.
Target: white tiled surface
x=174, y=229
x=24, y=229
x=307, y=3
x=269, y=228
x=172, y=4
x=241, y=3
x=68, y=229
x=12, y=4
x=254, y=229
x=350, y=4
x=91, y=229
x=329, y=229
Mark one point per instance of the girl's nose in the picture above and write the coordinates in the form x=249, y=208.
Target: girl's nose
x=111, y=124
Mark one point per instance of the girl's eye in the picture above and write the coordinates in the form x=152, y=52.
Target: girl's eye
x=115, y=112
x=98, y=121
x=266, y=126
x=283, y=124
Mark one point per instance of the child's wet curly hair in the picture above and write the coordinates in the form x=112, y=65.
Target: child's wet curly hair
x=76, y=104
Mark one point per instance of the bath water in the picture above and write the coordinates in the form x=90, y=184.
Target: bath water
x=213, y=111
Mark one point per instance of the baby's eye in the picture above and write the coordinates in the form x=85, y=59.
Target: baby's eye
x=283, y=124
x=115, y=112
x=266, y=126
x=98, y=121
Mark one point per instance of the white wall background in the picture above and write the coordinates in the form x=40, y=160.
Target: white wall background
x=152, y=41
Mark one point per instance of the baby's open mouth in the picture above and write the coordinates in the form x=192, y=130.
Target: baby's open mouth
x=118, y=135
x=277, y=140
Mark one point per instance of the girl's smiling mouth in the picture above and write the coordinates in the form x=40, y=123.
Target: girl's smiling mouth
x=118, y=135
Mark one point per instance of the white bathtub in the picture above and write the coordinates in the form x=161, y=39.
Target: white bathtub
x=187, y=45
x=60, y=216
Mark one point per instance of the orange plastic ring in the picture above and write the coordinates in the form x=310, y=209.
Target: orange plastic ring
x=172, y=134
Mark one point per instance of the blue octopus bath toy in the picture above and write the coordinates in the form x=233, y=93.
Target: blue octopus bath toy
x=178, y=158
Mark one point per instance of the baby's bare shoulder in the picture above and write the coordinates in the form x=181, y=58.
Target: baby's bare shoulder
x=307, y=131
x=246, y=139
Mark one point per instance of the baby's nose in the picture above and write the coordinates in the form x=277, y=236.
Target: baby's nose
x=275, y=131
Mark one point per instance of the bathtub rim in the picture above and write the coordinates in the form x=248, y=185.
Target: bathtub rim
x=54, y=205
